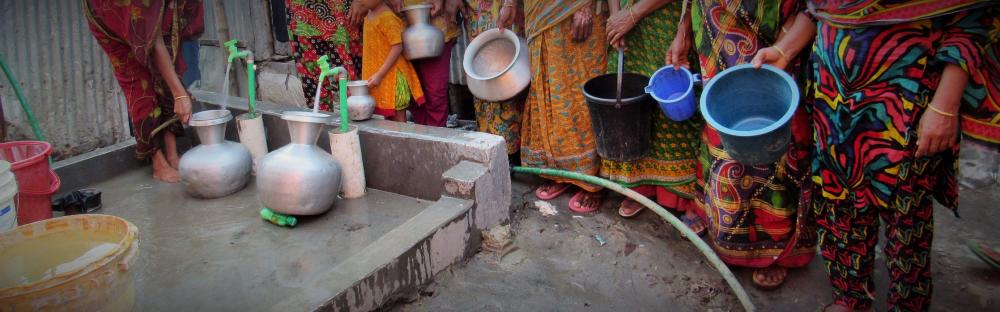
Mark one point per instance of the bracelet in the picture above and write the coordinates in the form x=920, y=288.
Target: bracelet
x=784, y=30
x=780, y=51
x=182, y=97
x=632, y=16
x=936, y=110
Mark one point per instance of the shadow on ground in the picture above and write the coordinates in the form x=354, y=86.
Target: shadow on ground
x=646, y=265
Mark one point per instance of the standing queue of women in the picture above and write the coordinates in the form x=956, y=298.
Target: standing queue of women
x=887, y=87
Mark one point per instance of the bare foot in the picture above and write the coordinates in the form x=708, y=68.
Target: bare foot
x=770, y=277
x=162, y=170
x=170, y=149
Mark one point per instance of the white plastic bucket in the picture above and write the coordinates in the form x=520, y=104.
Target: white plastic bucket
x=8, y=192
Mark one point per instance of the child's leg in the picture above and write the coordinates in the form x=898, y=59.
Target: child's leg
x=400, y=116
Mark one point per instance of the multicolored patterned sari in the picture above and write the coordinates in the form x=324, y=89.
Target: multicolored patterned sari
x=318, y=28
x=127, y=32
x=500, y=118
x=757, y=215
x=672, y=162
x=556, y=129
x=875, y=80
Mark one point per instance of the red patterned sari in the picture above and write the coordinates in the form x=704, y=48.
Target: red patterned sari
x=126, y=31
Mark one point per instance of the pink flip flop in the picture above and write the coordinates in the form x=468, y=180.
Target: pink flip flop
x=575, y=206
x=560, y=191
x=629, y=208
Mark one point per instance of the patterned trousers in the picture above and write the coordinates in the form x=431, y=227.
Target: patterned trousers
x=848, y=234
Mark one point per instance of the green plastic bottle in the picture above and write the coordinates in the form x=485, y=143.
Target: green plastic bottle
x=277, y=218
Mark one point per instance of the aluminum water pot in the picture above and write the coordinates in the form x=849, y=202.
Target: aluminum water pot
x=360, y=105
x=299, y=178
x=421, y=39
x=497, y=65
x=216, y=167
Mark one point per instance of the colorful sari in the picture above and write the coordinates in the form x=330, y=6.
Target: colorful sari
x=501, y=118
x=318, y=28
x=757, y=215
x=875, y=80
x=556, y=130
x=668, y=173
x=126, y=31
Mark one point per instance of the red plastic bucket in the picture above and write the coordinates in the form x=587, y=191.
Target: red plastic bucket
x=34, y=205
x=29, y=163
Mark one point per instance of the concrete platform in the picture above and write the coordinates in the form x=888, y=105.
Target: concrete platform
x=432, y=190
x=218, y=255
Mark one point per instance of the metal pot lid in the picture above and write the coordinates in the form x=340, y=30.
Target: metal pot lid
x=210, y=118
x=301, y=116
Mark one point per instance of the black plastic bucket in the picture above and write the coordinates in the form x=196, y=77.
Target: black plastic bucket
x=622, y=132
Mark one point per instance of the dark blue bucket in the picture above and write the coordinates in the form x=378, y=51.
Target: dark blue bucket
x=674, y=91
x=752, y=110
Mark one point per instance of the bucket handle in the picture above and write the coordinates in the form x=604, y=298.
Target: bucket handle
x=696, y=79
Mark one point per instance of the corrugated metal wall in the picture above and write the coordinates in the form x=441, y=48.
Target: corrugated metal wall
x=64, y=74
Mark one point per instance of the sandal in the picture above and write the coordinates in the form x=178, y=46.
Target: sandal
x=987, y=254
x=576, y=202
x=694, y=222
x=760, y=277
x=560, y=188
x=630, y=208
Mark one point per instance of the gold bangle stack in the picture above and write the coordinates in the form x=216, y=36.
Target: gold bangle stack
x=182, y=97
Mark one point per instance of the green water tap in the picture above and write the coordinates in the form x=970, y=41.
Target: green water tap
x=277, y=218
x=325, y=70
x=235, y=53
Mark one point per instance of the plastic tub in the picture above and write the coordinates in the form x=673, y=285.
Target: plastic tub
x=752, y=109
x=37, y=205
x=622, y=132
x=73, y=263
x=29, y=163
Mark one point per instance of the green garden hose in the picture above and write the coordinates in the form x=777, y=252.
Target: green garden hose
x=24, y=102
x=713, y=258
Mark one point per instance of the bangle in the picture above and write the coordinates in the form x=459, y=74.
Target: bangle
x=936, y=110
x=182, y=97
x=784, y=30
x=780, y=51
x=632, y=16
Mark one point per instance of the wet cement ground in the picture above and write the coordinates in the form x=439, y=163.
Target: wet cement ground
x=647, y=266
x=218, y=255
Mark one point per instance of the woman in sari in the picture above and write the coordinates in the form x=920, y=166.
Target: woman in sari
x=566, y=40
x=500, y=118
x=142, y=39
x=891, y=78
x=318, y=28
x=756, y=215
x=667, y=174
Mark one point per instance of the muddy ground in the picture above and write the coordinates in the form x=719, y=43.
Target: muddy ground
x=646, y=265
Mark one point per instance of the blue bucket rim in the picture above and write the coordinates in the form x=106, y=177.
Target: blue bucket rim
x=703, y=104
x=690, y=87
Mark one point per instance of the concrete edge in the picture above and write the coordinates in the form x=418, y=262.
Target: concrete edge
x=400, y=261
x=96, y=166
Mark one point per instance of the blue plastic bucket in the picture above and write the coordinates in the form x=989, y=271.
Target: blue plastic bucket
x=752, y=109
x=674, y=91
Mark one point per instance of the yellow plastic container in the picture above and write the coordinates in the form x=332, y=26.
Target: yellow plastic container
x=73, y=263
